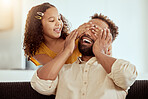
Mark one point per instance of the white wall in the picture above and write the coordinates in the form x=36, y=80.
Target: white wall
x=16, y=75
x=146, y=35
x=129, y=15
x=10, y=40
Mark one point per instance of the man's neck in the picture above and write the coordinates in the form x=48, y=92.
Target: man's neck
x=86, y=58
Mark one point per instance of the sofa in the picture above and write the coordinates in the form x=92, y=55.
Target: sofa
x=23, y=90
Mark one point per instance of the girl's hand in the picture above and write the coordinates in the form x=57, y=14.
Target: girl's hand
x=84, y=27
x=70, y=41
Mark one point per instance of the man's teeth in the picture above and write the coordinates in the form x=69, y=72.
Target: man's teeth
x=86, y=41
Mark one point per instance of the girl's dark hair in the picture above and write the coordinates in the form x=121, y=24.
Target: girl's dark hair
x=113, y=28
x=33, y=36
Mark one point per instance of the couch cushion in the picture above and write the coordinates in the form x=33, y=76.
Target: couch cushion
x=20, y=90
x=23, y=90
x=139, y=90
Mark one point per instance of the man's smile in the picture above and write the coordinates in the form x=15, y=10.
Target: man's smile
x=86, y=40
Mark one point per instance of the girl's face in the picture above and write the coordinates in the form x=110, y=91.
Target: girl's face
x=52, y=23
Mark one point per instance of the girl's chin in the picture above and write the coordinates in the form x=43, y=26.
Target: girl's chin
x=57, y=36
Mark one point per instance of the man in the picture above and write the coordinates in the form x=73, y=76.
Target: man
x=95, y=75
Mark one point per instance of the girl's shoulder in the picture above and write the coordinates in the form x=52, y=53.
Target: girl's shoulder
x=45, y=50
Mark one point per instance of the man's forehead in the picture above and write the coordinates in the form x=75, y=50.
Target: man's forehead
x=99, y=23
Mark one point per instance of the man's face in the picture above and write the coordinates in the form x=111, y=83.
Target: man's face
x=87, y=39
x=85, y=45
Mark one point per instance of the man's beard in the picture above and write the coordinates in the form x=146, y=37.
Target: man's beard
x=84, y=49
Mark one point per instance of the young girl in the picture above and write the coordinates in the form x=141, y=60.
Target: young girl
x=45, y=34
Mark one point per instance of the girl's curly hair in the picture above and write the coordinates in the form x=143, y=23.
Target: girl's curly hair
x=33, y=36
x=113, y=28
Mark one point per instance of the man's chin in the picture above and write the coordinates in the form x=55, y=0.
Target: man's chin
x=85, y=50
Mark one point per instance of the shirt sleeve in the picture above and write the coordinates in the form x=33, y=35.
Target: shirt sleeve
x=45, y=87
x=123, y=74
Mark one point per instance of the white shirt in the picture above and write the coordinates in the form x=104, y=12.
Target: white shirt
x=89, y=80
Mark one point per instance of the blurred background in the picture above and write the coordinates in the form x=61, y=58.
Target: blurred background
x=129, y=15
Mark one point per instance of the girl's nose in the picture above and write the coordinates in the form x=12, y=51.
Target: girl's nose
x=58, y=23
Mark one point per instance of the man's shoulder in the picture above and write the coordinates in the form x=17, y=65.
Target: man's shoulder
x=66, y=67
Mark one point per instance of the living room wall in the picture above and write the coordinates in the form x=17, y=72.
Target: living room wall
x=11, y=39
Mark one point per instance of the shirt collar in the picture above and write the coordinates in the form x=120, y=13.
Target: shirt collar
x=90, y=61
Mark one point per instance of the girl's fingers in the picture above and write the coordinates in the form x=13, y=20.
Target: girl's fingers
x=75, y=35
x=94, y=35
x=71, y=34
x=97, y=34
x=90, y=25
x=95, y=27
x=79, y=35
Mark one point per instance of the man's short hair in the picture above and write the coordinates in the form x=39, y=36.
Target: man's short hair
x=113, y=28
